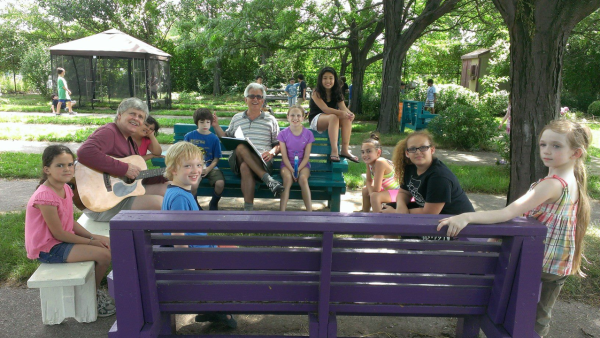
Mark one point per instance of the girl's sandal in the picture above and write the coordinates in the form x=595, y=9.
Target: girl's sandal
x=352, y=158
x=334, y=158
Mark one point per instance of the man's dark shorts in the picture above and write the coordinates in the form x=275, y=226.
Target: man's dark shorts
x=235, y=166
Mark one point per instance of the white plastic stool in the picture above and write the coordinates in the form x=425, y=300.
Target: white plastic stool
x=66, y=290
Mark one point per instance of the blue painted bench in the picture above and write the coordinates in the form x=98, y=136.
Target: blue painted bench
x=297, y=263
x=414, y=116
x=326, y=178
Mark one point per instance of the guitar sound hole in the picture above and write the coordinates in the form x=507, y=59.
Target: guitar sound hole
x=128, y=180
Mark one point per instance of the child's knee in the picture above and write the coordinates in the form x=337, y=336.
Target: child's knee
x=375, y=198
x=104, y=257
x=219, y=185
x=303, y=179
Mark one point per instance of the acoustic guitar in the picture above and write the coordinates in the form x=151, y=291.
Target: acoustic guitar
x=99, y=191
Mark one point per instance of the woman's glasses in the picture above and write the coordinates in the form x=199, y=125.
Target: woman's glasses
x=252, y=97
x=413, y=150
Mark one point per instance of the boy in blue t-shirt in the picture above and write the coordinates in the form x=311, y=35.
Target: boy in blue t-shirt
x=291, y=90
x=208, y=141
x=184, y=163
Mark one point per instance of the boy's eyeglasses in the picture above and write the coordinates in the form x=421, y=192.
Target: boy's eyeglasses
x=252, y=97
x=413, y=150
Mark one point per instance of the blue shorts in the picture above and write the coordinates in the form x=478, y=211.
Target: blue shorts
x=58, y=253
x=64, y=100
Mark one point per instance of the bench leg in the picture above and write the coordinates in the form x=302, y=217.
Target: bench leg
x=313, y=325
x=332, y=326
x=468, y=327
x=335, y=201
x=62, y=302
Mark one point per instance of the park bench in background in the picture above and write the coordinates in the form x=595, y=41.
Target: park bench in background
x=69, y=289
x=414, y=116
x=298, y=263
x=326, y=178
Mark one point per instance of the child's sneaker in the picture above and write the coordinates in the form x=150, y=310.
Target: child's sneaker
x=104, y=298
x=73, y=113
x=106, y=309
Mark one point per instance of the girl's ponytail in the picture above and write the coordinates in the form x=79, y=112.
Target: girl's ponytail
x=583, y=215
x=581, y=138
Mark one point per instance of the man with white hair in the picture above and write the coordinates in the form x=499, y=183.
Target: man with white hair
x=262, y=129
x=113, y=140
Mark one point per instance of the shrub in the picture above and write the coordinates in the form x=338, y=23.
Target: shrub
x=450, y=95
x=371, y=102
x=494, y=103
x=502, y=145
x=35, y=67
x=594, y=108
x=464, y=127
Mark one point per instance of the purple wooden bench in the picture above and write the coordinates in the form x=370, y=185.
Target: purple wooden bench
x=297, y=263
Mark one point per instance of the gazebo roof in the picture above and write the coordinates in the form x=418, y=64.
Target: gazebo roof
x=475, y=54
x=113, y=43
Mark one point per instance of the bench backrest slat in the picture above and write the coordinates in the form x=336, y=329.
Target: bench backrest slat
x=182, y=291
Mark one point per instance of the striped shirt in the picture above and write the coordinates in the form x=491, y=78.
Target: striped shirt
x=262, y=131
x=389, y=181
x=560, y=218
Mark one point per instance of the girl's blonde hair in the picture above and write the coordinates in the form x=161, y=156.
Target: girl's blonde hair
x=399, y=158
x=178, y=153
x=579, y=137
x=374, y=140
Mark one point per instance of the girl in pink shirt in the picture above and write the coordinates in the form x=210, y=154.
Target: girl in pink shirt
x=51, y=233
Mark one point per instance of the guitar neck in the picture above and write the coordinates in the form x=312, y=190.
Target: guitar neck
x=150, y=173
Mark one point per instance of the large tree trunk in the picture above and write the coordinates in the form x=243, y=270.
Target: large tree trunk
x=360, y=62
x=538, y=35
x=397, y=42
x=217, y=78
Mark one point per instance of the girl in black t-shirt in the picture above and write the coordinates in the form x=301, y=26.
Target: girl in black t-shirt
x=427, y=185
x=328, y=112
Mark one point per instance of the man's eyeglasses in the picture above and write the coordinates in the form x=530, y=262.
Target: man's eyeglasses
x=252, y=97
x=413, y=150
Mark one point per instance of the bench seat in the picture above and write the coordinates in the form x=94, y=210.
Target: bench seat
x=66, y=290
x=69, y=289
x=326, y=178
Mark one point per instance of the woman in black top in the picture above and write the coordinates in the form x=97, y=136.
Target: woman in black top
x=433, y=186
x=328, y=112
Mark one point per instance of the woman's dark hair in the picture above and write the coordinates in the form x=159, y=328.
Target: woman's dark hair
x=336, y=90
x=152, y=121
x=48, y=156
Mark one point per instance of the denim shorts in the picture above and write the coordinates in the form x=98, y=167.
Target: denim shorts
x=58, y=253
